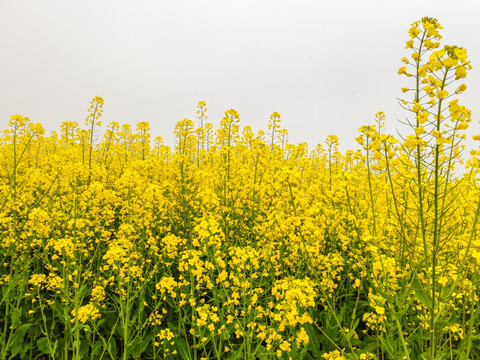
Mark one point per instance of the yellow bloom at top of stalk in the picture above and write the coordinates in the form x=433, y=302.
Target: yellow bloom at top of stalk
x=95, y=111
x=18, y=121
x=451, y=57
x=331, y=139
x=97, y=100
x=432, y=26
x=426, y=33
x=232, y=115
x=274, y=122
x=202, y=112
x=427, y=26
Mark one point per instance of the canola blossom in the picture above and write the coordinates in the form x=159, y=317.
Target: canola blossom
x=241, y=245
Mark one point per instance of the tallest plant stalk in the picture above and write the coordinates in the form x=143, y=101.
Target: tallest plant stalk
x=436, y=221
x=418, y=162
x=436, y=150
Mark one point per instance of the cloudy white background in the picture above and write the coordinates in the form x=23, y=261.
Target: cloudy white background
x=326, y=66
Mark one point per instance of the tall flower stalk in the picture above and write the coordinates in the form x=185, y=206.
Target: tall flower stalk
x=434, y=147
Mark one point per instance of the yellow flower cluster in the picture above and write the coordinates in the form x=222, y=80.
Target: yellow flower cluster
x=85, y=313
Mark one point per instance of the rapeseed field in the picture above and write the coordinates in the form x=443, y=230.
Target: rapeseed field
x=241, y=245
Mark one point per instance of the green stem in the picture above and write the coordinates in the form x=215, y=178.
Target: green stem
x=369, y=177
x=436, y=230
x=402, y=339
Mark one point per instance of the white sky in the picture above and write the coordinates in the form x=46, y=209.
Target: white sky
x=326, y=66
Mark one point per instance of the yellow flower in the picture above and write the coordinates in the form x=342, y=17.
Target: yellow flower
x=333, y=355
x=85, y=313
x=302, y=338
x=285, y=346
x=419, y=130
x=461, y=88
x=37, y=279
x=441, y=94
x=380, y=310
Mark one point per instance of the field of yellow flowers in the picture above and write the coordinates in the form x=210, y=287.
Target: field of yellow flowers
x=241, y=245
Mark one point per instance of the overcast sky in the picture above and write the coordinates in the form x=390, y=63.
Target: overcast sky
x=326, y=66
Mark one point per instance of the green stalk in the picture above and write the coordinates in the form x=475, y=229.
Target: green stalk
x=418, y=162
x=402, y=339
x=44, y=318
x=125, y=311
x=66, y=317
x=5, y=330
x=91, y=139
x=369, y=177
x=436, y=230
x=395, y=202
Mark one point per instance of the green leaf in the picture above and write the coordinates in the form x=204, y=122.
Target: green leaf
x=112, y=347
x=84, y=347
x=147, y=341
x=17, y=339
x=388, y=347
x=15, y=315
x=42, y=344
x=313, y=342
x=421, y=294
x=303, y=352
x=341, y=315
x=183, y=349
x=397, y=315
x=58, y=344
x=447, y=291
x=58, y=308
x=84, y=290
x=386, y=295
x=132, y=347
x=352, y=330
x=355, y=323
x=261, y=352
x=452, y=319
x=97, y=347
x=238, y=353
